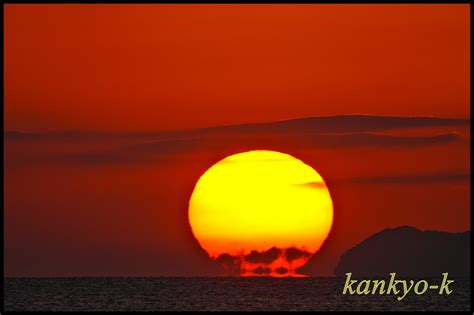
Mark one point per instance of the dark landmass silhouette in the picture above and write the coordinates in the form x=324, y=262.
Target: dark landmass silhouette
x=408, y=252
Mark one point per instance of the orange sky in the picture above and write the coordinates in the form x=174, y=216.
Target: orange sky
x=155, y=67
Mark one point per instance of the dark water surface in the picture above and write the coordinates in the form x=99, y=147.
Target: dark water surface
x=200, y=294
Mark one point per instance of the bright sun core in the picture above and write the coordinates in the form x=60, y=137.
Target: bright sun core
x=261, y=213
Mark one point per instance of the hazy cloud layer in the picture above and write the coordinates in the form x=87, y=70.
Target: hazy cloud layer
x=158, y=151
x=297, y=134
x=410, y=179
x=325, y=124
x=349, y=123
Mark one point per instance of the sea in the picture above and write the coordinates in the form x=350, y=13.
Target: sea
x=215, y=294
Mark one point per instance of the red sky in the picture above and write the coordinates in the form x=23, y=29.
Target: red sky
x=155, y=67
x=107, y=204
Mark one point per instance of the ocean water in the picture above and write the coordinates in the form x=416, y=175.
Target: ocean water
x=214, y=294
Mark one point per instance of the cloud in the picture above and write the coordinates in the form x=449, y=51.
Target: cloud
x=343, y=123
x=153, y=151
x=323, y=124
x=265, y=257
x=410, y=179
x=165, y=146
x=87, y=136
x=306, y=133
x=311, y=185
x=274, y=261
x=293, y=253
x=262, y=271
x=378, y=140
x=231, y=264
x=281, y=270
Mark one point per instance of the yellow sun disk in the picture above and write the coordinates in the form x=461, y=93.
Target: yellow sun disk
x=257, y=200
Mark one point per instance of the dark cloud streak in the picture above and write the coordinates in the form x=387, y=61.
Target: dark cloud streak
x=323, y=124
x=306, y=133
x=409, y=179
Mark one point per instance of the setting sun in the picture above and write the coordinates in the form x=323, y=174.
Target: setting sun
x=261, y=213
